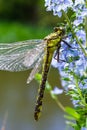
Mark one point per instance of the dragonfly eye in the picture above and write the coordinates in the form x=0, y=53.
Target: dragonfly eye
x=60, y=29
x=56, y=29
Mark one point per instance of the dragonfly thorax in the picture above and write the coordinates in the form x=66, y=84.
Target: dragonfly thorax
x=53, y=40
x=58, y=32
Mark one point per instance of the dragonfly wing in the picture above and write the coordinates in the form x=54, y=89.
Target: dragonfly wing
x=34, y=55
x=35, y=70
x=13, y=56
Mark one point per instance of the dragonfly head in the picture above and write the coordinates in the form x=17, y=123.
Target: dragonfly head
x=59, y=30
x=56, y=36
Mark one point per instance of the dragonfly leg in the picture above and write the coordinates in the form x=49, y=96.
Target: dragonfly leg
x=56, y=56
x=66, y=43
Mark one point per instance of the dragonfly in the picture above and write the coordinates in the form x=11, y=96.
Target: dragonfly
x=24, y=55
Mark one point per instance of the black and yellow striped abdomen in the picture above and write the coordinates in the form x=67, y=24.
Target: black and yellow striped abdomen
x=38, y=107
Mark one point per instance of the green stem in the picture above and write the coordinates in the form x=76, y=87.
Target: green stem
x=48, y=86
x=70, y=25
x=59, y=104
x=86, y=29
x=79, y=91
x=86, y=122
x=86, y=3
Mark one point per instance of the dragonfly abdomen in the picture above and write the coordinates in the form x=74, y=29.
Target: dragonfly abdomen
x=52, y=42
x=46, y=66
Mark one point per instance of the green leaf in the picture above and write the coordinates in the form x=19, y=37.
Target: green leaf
x=38, y=77
x=69, y=117
x=66, y=78
x=72, y=112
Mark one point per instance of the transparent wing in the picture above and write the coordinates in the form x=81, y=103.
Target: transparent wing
x=20, y=56
x=35, y=70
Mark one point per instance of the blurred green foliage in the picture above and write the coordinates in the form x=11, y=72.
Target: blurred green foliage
x=14, y=31
x=25, y=19
x=17, y=9
x=27, y=11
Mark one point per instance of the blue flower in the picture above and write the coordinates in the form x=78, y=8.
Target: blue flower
x=58, y=5
x=83, y=128
x=81, y=35
x=81, y=13
x=57, y=91
x=72, y=63
x=78, y=2
x=75, y=103
x=78, y=21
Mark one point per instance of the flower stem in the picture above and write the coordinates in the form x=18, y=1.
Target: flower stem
x=86, y=122
x=86, y=29
x=79, y=91
x=59, y=104
x=70, y=25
